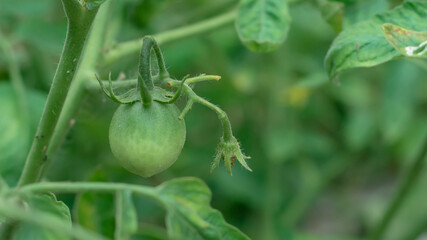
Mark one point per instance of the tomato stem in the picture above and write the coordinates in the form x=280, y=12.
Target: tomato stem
x=222, y=116
x=145, y=82
x=125, y=84
x=144, y=91
x=84, y=74
x=79, y=187
x=132, y=47
x=79, y=22
x=144, y=67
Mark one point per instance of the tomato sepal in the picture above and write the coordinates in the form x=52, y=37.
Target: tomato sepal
x=229, y=151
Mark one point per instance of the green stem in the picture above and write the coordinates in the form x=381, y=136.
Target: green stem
x=144, y=91
x=222, y=116
x=46, y=220
x=148, y=44
x=118, y=215
x=145, y=83
x=132, y=47
x=79, y=22
x=408, y=182
x=78, y=187
x=85, y=72
x=93, y=85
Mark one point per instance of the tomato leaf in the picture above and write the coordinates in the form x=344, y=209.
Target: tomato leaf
x=365, y=45
x=262, y=25
x=126, y=218
x=409, y=43
x=189, y=214
x=95, y=211
x=48, y=204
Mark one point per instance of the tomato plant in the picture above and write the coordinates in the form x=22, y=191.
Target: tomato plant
x=116, y=146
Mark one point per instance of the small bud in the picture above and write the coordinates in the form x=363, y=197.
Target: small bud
x=229, y=151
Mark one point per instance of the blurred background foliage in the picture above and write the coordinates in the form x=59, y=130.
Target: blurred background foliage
x=327, y=156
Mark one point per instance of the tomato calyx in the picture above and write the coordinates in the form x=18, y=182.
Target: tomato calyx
x=229, y=151
x=132, y=95
x=145, y=91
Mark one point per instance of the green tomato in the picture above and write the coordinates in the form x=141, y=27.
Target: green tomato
x=147, y=139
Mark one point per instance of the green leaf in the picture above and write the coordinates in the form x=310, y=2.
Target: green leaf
x=95, y=211
x=409, y=43
x=126, y=217
x=365, y=45
x=189, y=214
x=46, y=203
x=262, y=25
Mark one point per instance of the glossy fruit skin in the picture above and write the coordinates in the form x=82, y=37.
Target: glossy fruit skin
x=147, y=139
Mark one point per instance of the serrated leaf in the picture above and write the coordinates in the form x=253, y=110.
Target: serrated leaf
x=46, y=203
x=126, y=218
x=95, y=211
x=364, y=44
x=409, y=43
x=263, y=25
x=189, y=214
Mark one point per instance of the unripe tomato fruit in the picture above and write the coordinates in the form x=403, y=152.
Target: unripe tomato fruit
x=146, y=139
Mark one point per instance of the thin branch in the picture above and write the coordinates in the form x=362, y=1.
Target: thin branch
x=132, y=47
x=78, y=187
x=79, y=23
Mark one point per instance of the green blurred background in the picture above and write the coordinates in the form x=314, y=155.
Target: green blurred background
x=327, y=155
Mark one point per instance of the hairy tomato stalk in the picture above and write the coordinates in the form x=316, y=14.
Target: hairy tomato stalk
x=79, y=19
